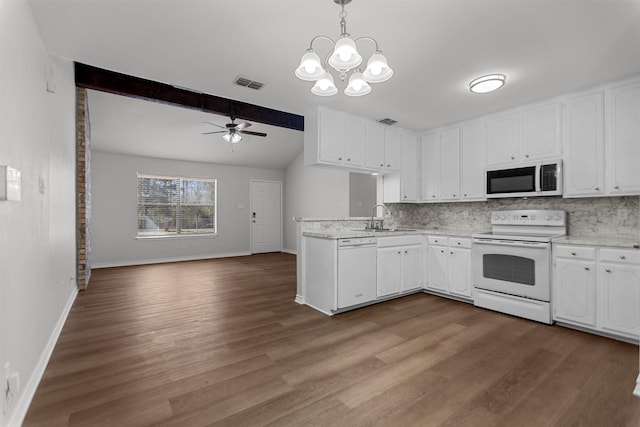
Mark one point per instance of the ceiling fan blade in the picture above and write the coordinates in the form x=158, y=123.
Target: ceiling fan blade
x=214, y=124
x=217, y=131
x=242, y=125
x=248, y=132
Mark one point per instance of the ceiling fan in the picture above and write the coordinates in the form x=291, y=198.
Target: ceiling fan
x=232, y=131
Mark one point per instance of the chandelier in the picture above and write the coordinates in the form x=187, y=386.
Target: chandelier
x=343, y=58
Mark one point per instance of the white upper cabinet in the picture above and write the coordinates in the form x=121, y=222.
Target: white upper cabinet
x=472, y=182
x=541, y=132
x=392, y=149
x=374, y=150
x=430, y=145
x=450, y=164
x=623, y=142
x=532, y=133
x=583, y=145
x=409, y=170
x=354, y=144
x=503, y=139
x=331, y=136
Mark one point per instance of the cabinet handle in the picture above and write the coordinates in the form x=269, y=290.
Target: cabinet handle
x=587, y=268
x=608, y=270
x=406, y=252
x=404, y=197
x=623, y=257
x=339, y=158
x=388, y=166
x=573, y=253
x=451, y=253
x=597, y=188
x=465, y=194
x=433, y=195
x=399, y=252
x=526, y=155
x=454, y=195
x=617, y=187
x=381, y=164
x=348, y=160
x=458, y=243
x=513, y=157
x=442, y=251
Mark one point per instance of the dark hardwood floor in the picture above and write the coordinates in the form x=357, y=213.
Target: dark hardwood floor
x=221, y=342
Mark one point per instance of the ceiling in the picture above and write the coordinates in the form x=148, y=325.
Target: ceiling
x=435, y=47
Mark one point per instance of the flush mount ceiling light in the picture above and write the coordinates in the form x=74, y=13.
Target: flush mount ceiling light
x=343, y=58
x=488, y=83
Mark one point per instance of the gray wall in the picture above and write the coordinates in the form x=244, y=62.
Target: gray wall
x=312, y=192
x=37, y=234
x=362, y=194
x=114, y=212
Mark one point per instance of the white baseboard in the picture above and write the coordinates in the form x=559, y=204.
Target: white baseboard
x=22, y=405
x=636, y=391
x=299, y=299
x=289, y=251
x=126, y=263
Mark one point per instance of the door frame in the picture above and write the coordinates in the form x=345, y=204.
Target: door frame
x=273, y=181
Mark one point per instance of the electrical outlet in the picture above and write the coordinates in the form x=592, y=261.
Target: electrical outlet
x=622, y=214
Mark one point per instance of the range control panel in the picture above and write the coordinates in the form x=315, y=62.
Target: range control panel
x=529, y=217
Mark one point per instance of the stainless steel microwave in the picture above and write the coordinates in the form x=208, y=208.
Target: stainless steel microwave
x=541, y=178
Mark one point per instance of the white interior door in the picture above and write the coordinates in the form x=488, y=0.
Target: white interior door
x=266, y=216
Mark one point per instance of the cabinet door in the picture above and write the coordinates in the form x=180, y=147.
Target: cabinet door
x=411, y=267
x=619, y=298
x=472, y=180
x=503, y=139
x=437, y=258
x=450, y=164
x=374, y=146
x=460, y=272
x=430, y=167
x=574, y=290
x=389, y=271
x=623, y=154
x=331, y=130
x=409, y=171
x=541, y=132
x=392, y=150
x=583, y=146
x=354, y=141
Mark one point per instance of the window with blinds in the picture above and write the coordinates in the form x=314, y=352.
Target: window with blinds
x=172, y=205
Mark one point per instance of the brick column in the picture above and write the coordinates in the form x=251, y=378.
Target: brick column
x=83, y=189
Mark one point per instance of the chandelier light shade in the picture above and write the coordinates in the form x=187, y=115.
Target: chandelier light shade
x=324, y=86
x=488, y=83
x=343, y=58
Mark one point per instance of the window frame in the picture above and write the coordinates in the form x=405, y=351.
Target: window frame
x=178, y=204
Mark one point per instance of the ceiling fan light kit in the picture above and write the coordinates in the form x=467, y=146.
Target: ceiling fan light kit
x=343, y=58
x=232, y=131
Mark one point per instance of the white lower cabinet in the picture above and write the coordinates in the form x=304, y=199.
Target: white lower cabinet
x=399, y=264
x=449, y=266
x=598, y=288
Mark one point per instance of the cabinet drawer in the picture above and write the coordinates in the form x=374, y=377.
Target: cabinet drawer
x=582, y=252
x=460, y=242
x=385, y=242
x=438, y=240
x=626, y=256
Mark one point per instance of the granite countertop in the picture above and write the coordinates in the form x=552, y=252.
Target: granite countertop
x=350, y=234
x=617, y=241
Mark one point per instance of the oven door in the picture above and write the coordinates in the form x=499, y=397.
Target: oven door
x=512, y=267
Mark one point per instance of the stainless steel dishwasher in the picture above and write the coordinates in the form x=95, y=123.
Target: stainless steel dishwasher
x=356, y=271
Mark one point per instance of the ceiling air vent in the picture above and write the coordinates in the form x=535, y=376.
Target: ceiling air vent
x=388, y=121
x=251, y=84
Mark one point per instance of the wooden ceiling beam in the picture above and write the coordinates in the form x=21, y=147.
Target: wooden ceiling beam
x=99, y=79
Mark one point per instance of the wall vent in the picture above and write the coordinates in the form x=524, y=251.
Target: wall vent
x=387, y=121
x=251, y=84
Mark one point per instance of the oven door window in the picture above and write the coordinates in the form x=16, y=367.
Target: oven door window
x=509, y=268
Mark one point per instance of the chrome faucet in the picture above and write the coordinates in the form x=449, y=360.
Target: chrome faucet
x=376, y=224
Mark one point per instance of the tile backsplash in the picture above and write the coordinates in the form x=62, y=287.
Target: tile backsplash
x=608, y=216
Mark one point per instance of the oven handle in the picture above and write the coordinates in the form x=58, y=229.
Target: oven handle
x=512, y=243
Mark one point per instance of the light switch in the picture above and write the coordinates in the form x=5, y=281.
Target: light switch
x=9, y=183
